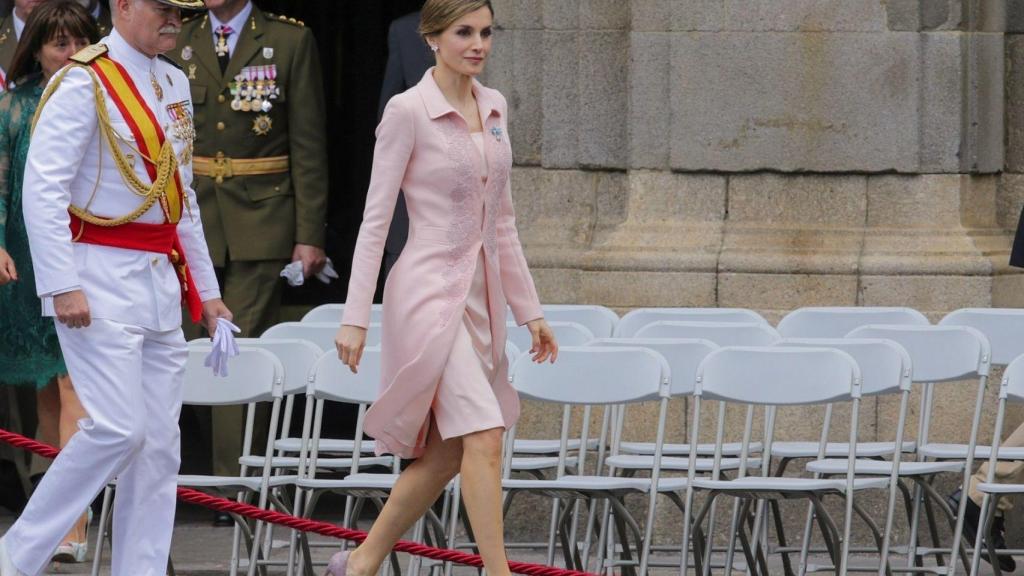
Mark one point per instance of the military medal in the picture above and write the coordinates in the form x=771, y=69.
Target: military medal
x=191, y=71
x=268, y=52
x=156, y=86
x=262, y=124
x=183, y=128
x=186, y=53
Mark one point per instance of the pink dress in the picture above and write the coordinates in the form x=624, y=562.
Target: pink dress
x=446, y=298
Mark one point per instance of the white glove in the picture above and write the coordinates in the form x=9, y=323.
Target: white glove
x=293, y=273
x=224, y=347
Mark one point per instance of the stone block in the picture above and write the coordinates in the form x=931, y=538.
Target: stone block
x=942, y=103
x=817, y=201
x=520, y=14
x=978, y=201
x=807, y=101
x=555, y=285
x=1010, y=200
x=1015, y=100
x=785, y=291
x=562, y=14
x=1015, y=17
x=929, y=294
x=525, y=98
x=806, y=15
x=604, y=15
x=560, y=144
x=554, y=207
x=666, y=197
x=603, y=93
x=698, y=15
x=651, y=15
x=915, y=15
x=649, y=89
x=926, y=201
x=633, y=289
x=986, y=137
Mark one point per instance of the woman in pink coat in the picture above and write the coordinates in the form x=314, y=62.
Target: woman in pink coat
x=445, y=397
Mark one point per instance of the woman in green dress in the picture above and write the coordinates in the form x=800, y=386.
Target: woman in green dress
x=29, y=352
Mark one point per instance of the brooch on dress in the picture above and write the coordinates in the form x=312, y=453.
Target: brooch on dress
x=496, y=132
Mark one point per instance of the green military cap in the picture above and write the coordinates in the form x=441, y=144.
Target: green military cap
x=186, y=4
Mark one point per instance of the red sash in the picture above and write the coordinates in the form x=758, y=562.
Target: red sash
x=161, y=238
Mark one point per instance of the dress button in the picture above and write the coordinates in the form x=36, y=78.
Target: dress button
x=221, y=98
x=156, y=261
x=220, y=126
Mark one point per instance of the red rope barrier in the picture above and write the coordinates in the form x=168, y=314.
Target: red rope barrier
x=304, y=525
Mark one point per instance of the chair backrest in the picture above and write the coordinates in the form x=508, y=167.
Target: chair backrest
x=938, y=353
x=594, y=375
x=838, y=321
x=335, y=382
x=296, y=356
x=636, y=319
x=683, y=355
x=567, y=334
x=885, y=366
x=778, y=376
x=721, y=333
x=255, y=375
x=599, y=320
x=333, y=312
x=1004, y=328
x=1013, y=381
x=511, y=351
x=320, y=333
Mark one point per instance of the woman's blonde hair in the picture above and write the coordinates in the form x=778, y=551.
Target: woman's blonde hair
x=437, y=15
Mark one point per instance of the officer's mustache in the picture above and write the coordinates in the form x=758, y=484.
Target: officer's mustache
x=170, y=30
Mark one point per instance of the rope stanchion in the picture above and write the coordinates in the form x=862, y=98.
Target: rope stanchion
x=305, y=525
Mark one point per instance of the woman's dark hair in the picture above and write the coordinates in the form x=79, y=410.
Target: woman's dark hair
x=49, y=20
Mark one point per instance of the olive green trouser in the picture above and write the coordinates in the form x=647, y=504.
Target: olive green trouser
x=1007, y=472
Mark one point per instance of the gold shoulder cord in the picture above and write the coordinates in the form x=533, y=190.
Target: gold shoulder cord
x=166, y=162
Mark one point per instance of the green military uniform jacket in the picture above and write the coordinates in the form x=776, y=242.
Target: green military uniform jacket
x=9, y=39
x=259, y=217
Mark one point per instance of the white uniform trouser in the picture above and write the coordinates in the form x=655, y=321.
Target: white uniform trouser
x=129, y=380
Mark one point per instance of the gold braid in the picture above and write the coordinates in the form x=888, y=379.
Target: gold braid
x=166, y=162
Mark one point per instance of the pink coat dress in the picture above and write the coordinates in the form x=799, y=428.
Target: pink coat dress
x=425, y=149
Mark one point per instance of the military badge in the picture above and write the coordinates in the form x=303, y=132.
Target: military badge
x=191, y=71
x=268, y=52
x=186, y=53
x=262, y=124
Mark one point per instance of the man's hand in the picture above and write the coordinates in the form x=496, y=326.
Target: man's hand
x=313, y=258
x=213, y=309
x=72, y=309
x=8, y=273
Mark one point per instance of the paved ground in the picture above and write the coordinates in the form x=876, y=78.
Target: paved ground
x=202, y=550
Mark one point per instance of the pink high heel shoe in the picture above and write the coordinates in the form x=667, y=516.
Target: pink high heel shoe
x=338, y=565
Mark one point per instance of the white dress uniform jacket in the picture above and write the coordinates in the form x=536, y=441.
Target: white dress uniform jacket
x=68, y=162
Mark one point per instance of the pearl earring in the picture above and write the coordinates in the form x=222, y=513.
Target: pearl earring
x=434, y=47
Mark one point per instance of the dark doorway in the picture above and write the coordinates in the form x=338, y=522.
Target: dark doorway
x=352, y=35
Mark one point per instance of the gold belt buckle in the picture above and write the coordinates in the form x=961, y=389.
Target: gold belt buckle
x=222, y=168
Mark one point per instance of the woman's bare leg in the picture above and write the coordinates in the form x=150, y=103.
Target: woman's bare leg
x=481, y=491
x=71, y=411
x=48, y=412
x=416, y=490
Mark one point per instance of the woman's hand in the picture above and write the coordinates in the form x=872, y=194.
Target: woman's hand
x=544, y=345
x=8, y=273
x=350, y=342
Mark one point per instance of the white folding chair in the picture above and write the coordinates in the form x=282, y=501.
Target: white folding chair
x=775, y=377
x=567, y=334
x=634, y=320
x=600, y=320
x=600, y=376
x=333, y=312
x=721, y=333
x=838, y=321
x=255, y=375
x=886, y=369
x=1011, y=390
x=940, y=355
x=320, y=333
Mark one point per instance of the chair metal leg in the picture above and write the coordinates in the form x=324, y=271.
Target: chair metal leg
x=780, y=533
x=102, y=529
x=828, y=528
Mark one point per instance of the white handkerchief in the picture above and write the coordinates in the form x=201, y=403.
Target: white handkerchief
x=224, y=347
x=293, y=273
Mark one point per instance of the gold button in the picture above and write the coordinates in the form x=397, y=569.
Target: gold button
x=220, y=126
x=221, y=98
x=156, y=261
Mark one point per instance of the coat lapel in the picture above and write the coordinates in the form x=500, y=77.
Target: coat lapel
x=202, y=45
x=248, y=44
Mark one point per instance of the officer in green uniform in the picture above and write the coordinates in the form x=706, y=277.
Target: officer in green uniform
x=260, y=164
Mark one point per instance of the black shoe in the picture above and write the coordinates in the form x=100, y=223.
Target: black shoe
x=972, y=517
x=223, y=520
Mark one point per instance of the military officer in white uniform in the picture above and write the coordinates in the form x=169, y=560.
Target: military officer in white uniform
x=96, y=198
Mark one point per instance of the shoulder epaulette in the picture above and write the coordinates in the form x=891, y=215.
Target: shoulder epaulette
x=192, y=17
x=89, y=53
x=170, y=61
x=285, y=19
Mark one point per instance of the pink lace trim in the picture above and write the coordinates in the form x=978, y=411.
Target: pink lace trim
x=460, y=261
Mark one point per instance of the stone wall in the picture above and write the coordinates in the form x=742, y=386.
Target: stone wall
x=768, y=154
